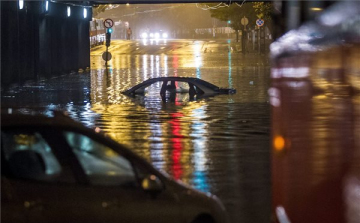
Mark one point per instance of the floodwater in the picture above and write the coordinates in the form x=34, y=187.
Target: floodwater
x=219, y=144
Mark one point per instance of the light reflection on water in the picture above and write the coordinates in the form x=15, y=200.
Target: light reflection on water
x=200, y=150
x=218, y=144
x=194, y=140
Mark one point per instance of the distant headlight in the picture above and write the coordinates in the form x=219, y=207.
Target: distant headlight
x=157, y=36
x=144, y=35
x=151, y=35
x=164, y=35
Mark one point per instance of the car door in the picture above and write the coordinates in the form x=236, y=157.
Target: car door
x=42, y=180
x=114, y=185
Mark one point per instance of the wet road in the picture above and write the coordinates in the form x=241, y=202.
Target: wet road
x=218, y=144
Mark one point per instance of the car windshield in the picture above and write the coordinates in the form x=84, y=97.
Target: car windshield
x=29, y=155
x=102, y=164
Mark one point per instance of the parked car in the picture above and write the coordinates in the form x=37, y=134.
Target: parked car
x=54, y=169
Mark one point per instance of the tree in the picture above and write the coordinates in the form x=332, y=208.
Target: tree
x=234, y=13
x=98, y=9
x=264, y=11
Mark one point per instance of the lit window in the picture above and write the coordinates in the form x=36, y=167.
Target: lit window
x=68, y=11
x=47, y=6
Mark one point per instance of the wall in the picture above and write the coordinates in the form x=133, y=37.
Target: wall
x=38, y=44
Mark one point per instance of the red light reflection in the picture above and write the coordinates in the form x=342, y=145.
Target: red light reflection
x=177, y=146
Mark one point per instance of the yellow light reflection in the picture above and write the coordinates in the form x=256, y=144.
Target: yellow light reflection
x=316, y=9
x=196, y=60
x=152, y=66
x=165, y=65
x=110, y=153
x=157, y=61
x=279, y=143
x=23, y=139
x=145, y=68
x=111, y=173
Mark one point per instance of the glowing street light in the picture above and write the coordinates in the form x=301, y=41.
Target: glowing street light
x=68, y=11
x=85, y=13
x=21, y=4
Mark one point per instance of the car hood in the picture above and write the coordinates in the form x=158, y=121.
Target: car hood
x=194, y=202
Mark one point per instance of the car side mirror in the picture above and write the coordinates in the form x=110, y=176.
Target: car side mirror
x=152, y=184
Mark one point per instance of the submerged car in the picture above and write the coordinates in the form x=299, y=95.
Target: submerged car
x=54, y=169
x=196, y=86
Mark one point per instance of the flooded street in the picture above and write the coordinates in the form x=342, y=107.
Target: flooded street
x=217, y=144
x=284, y=148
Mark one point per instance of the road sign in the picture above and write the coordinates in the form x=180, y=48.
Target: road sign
x=108, y=23
x=244, y=21
x=260, y=22
x=106, y=56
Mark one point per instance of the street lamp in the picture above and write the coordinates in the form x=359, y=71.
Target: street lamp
x=85, y=13
x=21, y=4
x=68, y=11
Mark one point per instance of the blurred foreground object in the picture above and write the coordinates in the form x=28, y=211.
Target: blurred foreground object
x=315, y=98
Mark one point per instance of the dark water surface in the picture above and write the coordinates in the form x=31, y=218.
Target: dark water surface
x=218, y=144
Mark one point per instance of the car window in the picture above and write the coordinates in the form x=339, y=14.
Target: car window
x=29, y=156
x=101, y=164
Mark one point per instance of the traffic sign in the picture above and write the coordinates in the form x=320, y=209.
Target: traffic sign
x=260, y=22
x=106, y=56
x=108, y=23
x=244, y=21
